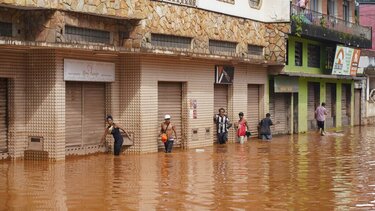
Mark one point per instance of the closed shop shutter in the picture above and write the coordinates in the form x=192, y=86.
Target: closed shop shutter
x=253, y=108
x=220, y=98
x=85, y=113
x=73, y=114
x=279, y=110
x=345, y=104
x=170, y=102
x=3, y=115
x=93, y=112
x=330, y=105
x=220, y=101
x=313, y=100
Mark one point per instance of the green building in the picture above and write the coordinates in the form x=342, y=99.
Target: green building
x=307, y=78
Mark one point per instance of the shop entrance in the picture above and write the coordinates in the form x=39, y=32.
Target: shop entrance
x=220, y=101
x=3, y=115
x=253, y=107
x=346, y=104
x=170, y=102
x=84, y=113
x=330, y=105
x=313, y=101
x=280, y=111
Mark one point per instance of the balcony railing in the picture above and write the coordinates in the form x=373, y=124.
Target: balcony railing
x=310, y=17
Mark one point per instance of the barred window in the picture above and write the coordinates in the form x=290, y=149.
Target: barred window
x=222, y=46
x=255, y=50
x=6, y=29
x=227, y=1
x=170, y=41
x=255, y=3
x=77, y=34
x=182, y=2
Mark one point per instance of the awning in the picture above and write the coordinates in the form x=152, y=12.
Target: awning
x=307, y=75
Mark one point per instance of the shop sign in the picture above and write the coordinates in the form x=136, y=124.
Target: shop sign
x=346, y=61
x=224, y=74
x=284, y=84
x=193, y=109
x=83, y=70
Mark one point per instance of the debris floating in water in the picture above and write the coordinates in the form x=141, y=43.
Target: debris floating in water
x=199, y=150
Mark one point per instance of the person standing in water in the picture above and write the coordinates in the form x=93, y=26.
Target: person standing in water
x=169, y=129
x=114, y=129
x=320, y=116
x=241, y=127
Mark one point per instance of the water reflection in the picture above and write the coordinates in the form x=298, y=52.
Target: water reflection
x=299, y=172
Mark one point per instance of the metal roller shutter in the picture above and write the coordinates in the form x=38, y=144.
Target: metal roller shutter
x=85, y=113
x=313, y=100
x=330, y=104
x=282, y=112
x=3, y=115
x=170, y=102
x=345, y=104
x=73, y=114
x=220, y=98
x=93, y=112
x=220, y=101
x=253, y=117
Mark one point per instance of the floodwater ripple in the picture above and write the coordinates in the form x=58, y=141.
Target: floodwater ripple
x=299, y=172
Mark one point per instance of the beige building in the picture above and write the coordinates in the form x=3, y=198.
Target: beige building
x=65, y=66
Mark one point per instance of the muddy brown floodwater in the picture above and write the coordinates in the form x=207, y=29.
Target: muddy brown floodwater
x=300, y=172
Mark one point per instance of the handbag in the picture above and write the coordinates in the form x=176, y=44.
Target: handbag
x=248, y=133
x=164, y=136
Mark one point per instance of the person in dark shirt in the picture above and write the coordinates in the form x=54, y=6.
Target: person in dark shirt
x=265, y=127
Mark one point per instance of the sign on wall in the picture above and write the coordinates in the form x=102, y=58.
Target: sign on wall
x=346, y=61
x=224, y=74
x=83, y=70
x=285, y=84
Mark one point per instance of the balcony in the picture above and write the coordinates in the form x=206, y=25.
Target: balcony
x=315, y=25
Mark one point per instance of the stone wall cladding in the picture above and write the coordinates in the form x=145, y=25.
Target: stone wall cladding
x=121, y=8
x=202, y=26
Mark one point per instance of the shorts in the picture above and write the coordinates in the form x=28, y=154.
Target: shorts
x=320, y=124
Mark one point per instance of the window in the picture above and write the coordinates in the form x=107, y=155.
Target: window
x=331, y=7
x=330, y=57
x=77, y=34
x=5, y=29
x=346, y=10
x=255, y=3
x=170, y=41
x=227, y=1
x=313, y=55
x=222, y=46
x=254, y=50
x=314, y=5
x=298, y=54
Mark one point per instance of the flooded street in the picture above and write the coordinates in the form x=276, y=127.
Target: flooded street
x=301, y=172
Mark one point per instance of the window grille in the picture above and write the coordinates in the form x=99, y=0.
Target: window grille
x=170, y=41
x=5, y=29
x=313, y=52
x=182, y=2
x=77, y=34
x=222, y=46
x=228, y=1
x=255, y=50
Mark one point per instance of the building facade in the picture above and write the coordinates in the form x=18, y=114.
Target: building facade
x=318, y=31
x=367, y=62
x=66, y=65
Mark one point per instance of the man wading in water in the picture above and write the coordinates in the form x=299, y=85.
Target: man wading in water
x=168, y=129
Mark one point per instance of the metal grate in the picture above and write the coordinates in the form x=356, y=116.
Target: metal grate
x=182, y=2
x=6, y=29
x=313, y=52
x=254, y=3
x=77, y=34
x=298, y=54
x=255, y=50
x=170, y=41
x=228, y=1
x=222, y=46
